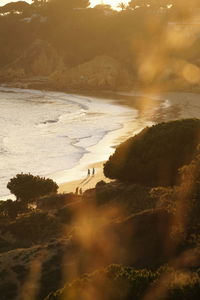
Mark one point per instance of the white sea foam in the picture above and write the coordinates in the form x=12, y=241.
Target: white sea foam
x=45, y=133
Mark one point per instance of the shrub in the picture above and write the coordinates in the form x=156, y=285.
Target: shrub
x=154, y=156
x=34, y=227
x=11, y=208
x=55, y=201
x=125, y=283
x=27, y=187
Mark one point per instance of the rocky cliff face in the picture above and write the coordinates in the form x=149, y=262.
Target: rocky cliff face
x=40, y=59
x=101, y=72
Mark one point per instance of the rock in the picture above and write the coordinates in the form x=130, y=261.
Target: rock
x=40, y=59
x=102, y=72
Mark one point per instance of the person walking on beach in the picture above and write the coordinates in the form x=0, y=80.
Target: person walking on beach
x=88, y=172
x=93, y=171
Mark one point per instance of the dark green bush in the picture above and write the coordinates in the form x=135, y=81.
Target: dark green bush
x=34, y=227
x=27, y=187
x=55, y=201
x=11, y=208
x=154, y=156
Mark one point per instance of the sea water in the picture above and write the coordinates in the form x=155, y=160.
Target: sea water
x=45, y=133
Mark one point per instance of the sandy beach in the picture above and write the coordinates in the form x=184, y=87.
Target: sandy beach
x=95, y=158
x=144, y=108
x=153, y=108
x=66, y=133
x=86, y=183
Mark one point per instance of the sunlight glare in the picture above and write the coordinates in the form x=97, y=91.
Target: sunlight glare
x=113, y=3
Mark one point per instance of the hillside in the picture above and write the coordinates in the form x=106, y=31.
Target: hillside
x=151, y=47
x=126, y=237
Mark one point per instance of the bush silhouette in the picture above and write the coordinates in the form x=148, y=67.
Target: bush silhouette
x=154, y=156
x=11, y=209
x=27, y=187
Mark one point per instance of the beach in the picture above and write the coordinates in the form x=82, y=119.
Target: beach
x=95, y=158
x=57, y=135
x=152, y=108
x=80, y=133
x=88, y=182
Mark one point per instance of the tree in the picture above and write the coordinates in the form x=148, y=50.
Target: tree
x=154, y=156
x=179, y=4
x=58, y=9
x=122, y=6
x=150, y=3
x=27, y=187
x=66, y=4
x=13, y=7
x=39, y=2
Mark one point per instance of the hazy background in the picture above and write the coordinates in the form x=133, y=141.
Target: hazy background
x=113, y=3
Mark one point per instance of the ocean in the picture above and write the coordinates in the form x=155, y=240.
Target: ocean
x=49, y=133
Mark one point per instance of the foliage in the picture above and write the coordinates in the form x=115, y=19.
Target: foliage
x=184, y=202
x=154, y=156
x=164, y=197
x=125, y=283
x=12, y=209
x=80, y=33
x=55, y=201
x=131, y=198
x=34, y=227
x=27, y=187
x=190, y=194
x=150, y=3
x=15, y=7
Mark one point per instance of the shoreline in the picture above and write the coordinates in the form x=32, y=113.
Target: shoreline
x=88, y=182
x=151, y=108
x=95, y=158
x=43, y=83
x=100, y=151
x=164, y=107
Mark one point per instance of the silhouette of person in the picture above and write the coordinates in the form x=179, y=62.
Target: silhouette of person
x=80, y=191
x=93, y=171
x=88, y=172
x=77, y=190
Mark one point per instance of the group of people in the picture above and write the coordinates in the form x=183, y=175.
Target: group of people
x=79, y=191
x=91, y=172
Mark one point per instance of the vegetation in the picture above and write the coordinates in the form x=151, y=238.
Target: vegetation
x=125, y=283
x=149, y=216
x=12, y=209
x=118, y=222
x=27, y=187
x=153, y=157
x=77, y=34
x=33, y=227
